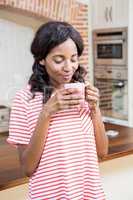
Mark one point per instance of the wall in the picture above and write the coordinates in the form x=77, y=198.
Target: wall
x=15, y=61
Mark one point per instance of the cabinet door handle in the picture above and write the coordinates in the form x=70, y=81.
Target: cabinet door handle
x=106, y=14
x=110, y=13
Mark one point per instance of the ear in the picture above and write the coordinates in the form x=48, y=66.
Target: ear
x=42, y=62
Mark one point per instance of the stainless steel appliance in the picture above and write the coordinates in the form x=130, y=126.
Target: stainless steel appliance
x=110, y=71
x=110, y=46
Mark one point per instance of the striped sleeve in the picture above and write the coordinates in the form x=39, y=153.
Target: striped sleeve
x=19, y=131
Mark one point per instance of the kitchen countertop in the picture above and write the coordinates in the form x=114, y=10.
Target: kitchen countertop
x=12, y=175
x=122, y=144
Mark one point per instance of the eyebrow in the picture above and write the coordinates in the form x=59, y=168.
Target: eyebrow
x=60, y=55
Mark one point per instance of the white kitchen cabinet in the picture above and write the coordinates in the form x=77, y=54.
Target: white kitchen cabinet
x=109, y=13
x=101, y=13
x=120, y=13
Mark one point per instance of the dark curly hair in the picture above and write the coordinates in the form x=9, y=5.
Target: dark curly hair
x=47, y=37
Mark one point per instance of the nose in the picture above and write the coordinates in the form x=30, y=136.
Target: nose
x=67, y=65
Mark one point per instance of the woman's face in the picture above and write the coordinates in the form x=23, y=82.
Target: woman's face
x=61, y=63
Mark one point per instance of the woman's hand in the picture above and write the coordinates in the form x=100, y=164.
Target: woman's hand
x=63, y=99
x=92, y=96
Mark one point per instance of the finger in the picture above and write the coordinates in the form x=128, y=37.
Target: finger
x=92, y=98
x=70, y=91
x=73, y=102
x=87, y=84
x=68, y=97
x=91, y=87
x=73, y=97
x=70, y=104
x=93, y=94
x=67, y=106
x=92, y=91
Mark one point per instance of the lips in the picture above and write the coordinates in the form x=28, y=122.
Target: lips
x=67, y=76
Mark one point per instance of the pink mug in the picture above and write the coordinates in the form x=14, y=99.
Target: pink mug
x=79, y=86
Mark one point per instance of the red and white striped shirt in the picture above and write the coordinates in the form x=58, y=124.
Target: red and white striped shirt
x=68, y=168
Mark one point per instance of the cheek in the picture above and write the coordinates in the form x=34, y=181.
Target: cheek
x=56, y=68
x=51, y=68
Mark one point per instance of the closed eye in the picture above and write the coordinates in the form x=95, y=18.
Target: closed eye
x=58, y=59
x=74, y=58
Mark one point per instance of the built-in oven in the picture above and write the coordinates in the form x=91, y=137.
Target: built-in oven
x=111, y=71
x=113, y=97
x=110, y=46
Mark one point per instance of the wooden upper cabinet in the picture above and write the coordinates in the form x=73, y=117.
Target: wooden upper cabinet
x=109, y=13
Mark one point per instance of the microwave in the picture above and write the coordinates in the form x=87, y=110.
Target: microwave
x=110, y=46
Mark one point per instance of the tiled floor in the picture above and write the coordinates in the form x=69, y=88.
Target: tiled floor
x=117, y=177
x=15, y=193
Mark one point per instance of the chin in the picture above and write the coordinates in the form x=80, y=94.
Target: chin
x=68, y=81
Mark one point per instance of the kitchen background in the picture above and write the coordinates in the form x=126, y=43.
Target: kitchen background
x=18, y=60
x=18, y=22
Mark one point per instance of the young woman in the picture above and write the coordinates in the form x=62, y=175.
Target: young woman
x=58, y=140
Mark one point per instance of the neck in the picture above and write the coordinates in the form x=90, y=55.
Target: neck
x=55, y=84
